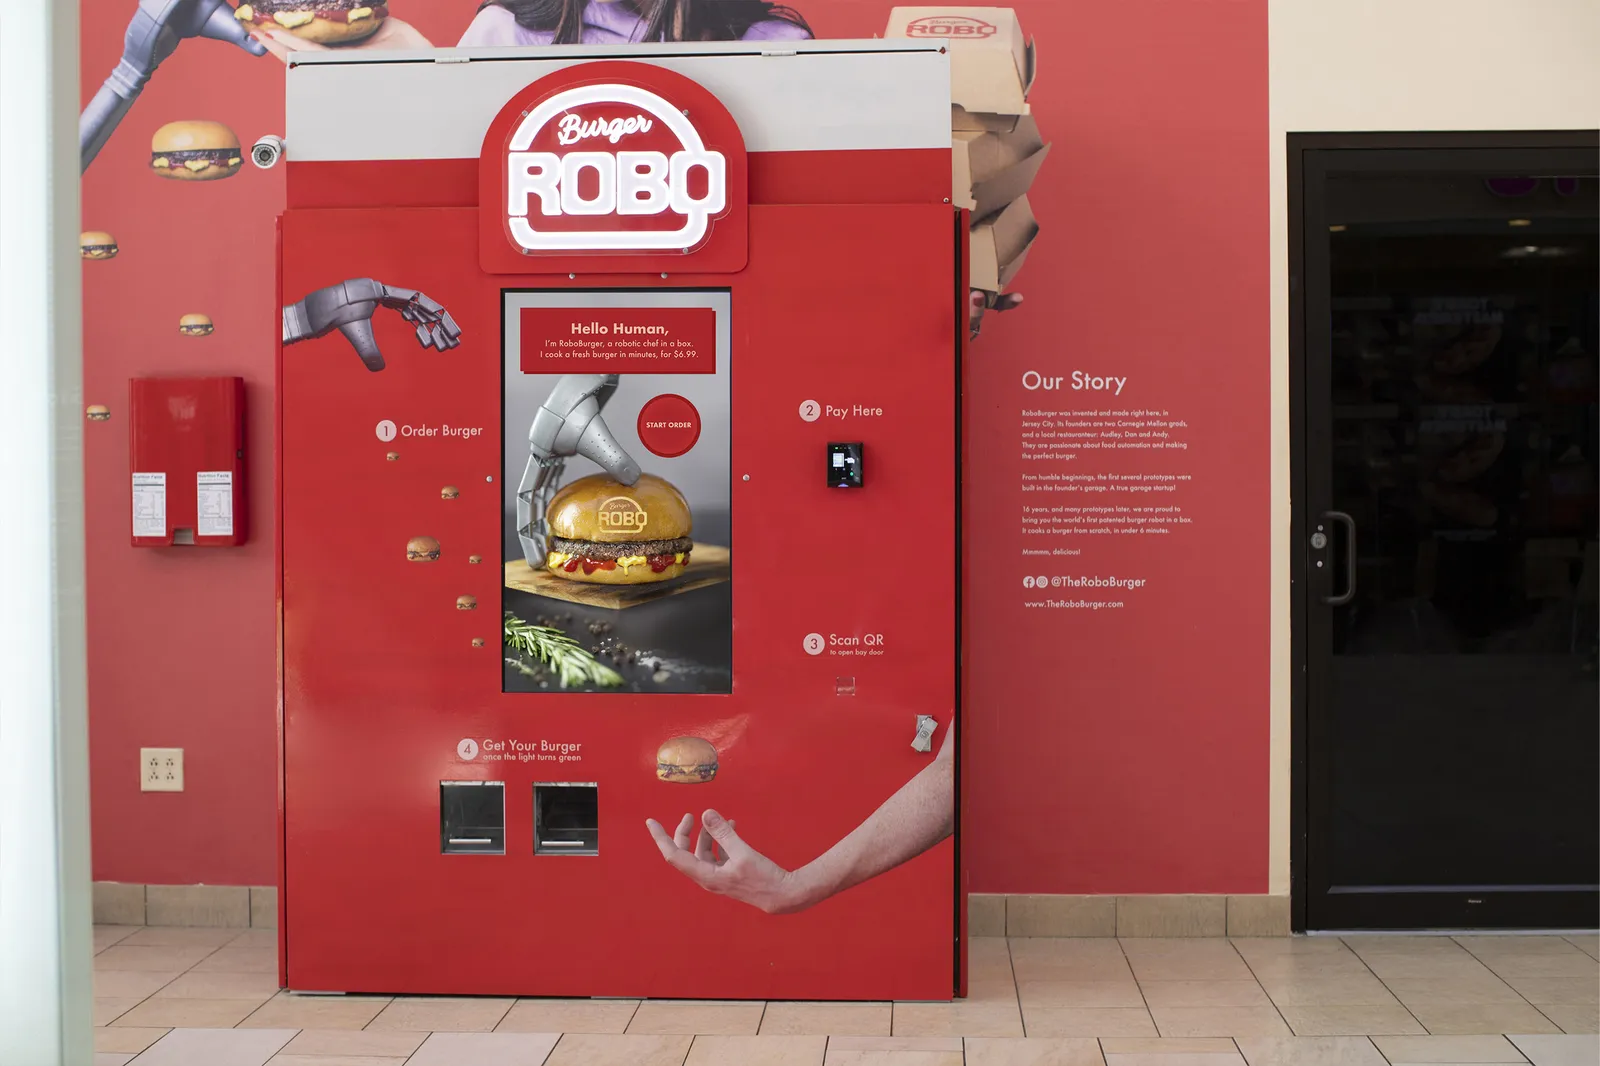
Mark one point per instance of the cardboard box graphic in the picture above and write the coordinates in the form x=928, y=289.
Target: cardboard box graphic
x=992, y=64
x=1000, y=246
x=990, y=170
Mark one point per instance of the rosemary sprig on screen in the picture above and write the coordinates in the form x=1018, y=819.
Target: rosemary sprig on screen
x=571, y=664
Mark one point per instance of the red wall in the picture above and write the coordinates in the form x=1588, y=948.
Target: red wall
x=1107, y=755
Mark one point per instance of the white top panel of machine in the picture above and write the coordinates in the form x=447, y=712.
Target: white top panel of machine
x=803, y=96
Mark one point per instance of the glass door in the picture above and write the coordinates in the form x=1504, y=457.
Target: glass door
x=1447, y=518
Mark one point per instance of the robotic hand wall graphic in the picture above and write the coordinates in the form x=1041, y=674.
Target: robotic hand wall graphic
x=349, y=306
x=568, y=423
x=154, y=34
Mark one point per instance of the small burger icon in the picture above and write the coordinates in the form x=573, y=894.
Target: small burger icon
x=97, y=413
x=97, y=244
x=321, y=21
x=477, y=642
x=422, y=549
x=686, y=761
x=608, y=533
x=466, y=603
x=195, y=151
x=195, y=325
x=474, y=559
x=449, y=492
x=392, y=456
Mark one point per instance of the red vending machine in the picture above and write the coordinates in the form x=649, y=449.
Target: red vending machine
x=654, y=359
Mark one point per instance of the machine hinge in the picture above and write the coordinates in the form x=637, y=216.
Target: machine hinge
x=780, y=52
x=452, y=59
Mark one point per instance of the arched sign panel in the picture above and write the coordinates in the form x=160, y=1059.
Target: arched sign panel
x=613, y=167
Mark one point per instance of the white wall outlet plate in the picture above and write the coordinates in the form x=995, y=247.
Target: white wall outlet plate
x=161, y=769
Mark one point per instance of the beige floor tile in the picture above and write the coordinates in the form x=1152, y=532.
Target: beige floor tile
x=1068, y=960
x=171, y=958
x=1033, y=1051
x=1120, y=993
x=289, y=1011
x=1387, y=944
x=893, y=1058
x=827, y=1019
x=1350, y=990
x=131, y=984
x=1197, y=966
x=1193, y=948
x=1194, y=1045
x=569, y=1016
x=107, y=935
x=335, y=1060
x=991, y=986
x=444, y=1015
x=221, y=986
x=1219, y=1021
x=1310, y=1051
x=957, y=1019
x=1203, y=994
x=1467, y=1019
x=484, y=1049
x=1473, y=987
x=126, y=1039
x=1487, y=946
x=1573, y=1019
x=1459, y=967
x=216, y=1047
x=254, y=938
x=102, y=1058
x=1572, y=964
x=1065, y=947
x=669, y=1017
x=1195, y=1051
x=1558, y=1050
x=1574, y=991
x=174, y=936
x=191, y=1013
x=607, y=1049
x=108, y=1009
x=1350, y=1020
x=895, y=1043
x=1428, y=1049
x=240, y=960
x=757, y=1051
x=987, y=950
x=1588, y=943
x=1087, y=1021
x=354, y=1042
x=1270, y=946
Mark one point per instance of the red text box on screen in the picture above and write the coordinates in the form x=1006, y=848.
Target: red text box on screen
x=620, y=340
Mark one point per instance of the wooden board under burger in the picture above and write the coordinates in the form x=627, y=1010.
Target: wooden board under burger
x=708, y=565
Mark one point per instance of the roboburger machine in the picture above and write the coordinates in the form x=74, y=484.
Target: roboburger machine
x=637, y=497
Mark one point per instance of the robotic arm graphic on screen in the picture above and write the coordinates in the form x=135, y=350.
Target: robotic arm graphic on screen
x=568, y=423
x=158, y=26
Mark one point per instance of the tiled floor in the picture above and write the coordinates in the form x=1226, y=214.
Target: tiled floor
x=208, y=997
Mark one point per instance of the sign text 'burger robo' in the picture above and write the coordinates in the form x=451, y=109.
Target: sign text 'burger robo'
x=609, y=186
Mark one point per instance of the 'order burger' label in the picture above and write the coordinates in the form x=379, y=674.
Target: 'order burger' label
x=611, y=168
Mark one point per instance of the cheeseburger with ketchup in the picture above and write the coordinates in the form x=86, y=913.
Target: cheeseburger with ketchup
x=608, y=533
x=322, y=21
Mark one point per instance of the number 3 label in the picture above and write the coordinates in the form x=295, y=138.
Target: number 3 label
x=814, y=644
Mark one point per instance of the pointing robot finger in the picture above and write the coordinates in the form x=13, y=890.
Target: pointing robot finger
x=359, y=334
x=451, y=330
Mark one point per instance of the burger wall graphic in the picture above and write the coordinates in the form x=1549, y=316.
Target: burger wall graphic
x=319, y=21
x=195, y=150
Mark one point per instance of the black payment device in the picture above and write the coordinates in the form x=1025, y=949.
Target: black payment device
x=844, y=466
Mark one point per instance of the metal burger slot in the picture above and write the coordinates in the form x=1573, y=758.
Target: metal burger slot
x=472, y=817
x=566, y=818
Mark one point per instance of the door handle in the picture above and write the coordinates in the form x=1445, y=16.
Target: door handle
x=1349, y=524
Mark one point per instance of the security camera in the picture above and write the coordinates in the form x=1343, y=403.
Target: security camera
x=266, y=152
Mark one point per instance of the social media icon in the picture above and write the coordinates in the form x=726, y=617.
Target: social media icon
x=1041, y=581
x=1027, y=582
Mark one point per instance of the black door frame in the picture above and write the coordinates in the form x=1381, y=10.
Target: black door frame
x=1573, y=913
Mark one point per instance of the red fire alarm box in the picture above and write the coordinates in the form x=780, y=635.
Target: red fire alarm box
x=186, y=450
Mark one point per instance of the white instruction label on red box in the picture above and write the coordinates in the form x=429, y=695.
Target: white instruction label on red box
x=214, y=514
x=150, y=505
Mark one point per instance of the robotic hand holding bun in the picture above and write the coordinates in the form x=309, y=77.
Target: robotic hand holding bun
x=153, y=35
x=567, y=423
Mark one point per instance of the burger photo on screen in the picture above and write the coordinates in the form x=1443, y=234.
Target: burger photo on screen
x=322, y=21
x=97, y=244
x=195, y=150
x=608, y=533
x=195, y=325
x=686, y=761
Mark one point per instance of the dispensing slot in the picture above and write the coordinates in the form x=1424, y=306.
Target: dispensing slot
x=566, y=818
x=472, y=817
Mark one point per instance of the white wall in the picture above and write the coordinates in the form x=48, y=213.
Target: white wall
x=1398, y=65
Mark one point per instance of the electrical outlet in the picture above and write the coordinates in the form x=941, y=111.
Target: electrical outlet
x=161, y=769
